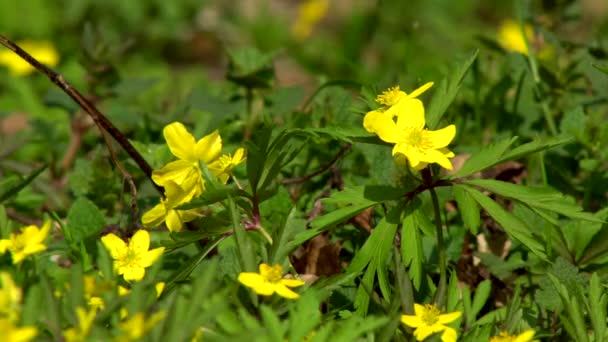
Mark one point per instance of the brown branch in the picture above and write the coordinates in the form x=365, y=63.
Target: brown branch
x=322, y=169
x=88, y=107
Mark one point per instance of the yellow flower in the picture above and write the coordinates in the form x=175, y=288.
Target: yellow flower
x=11, y=333
x=10, y=298
x=526, y=336
x=30, y=241
x=393, y=95
x=429, y=320
x=270, y=280
x=85, y=321
x=131, y=260
x=186, y=171
x=388, y=99
x=165, y=212
x=44, y=52
x=309, y=14
x=511, y=37
x=412, y=141
x=137, y=326
x=224, y=164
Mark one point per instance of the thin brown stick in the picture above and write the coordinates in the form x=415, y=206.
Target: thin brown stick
x=319, y=171
x=88, y=107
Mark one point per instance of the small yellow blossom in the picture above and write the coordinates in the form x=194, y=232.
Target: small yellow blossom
x=224, y=164
x=30, y=241
x=270, y=280
x=123, y=291
x=165, y=212
x=310, y=13
x=131, y=260
x=137, y=326
x=44, y=52
x=390, y=98
x=393, y=95
x=428, y=320
x=526, y=336
x=85, y=321
x=10, y=298
x=11, y=333
x=511, y=37
x=186, y=171
x=417, y=144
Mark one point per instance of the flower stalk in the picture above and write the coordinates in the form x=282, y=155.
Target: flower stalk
x=442, y=286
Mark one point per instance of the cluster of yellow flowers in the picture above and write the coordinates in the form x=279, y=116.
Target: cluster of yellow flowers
x=10, y=312
x=401, y=121
x=183, y=178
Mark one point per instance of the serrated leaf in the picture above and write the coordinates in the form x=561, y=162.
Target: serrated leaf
x=468, y=208
x=484, y=158
x=411, y=249
x=515, y=227
x=574, y=123
x=84, y=220
x=446, y=91
x=536, y=197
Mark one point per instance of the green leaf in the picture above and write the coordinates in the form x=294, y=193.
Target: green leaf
x=186, y=269
x=15, y=188
x=601, y=68
x=482, y=293
x=84, y=220
x=532, y=147
x=535, y=197
x=574, y=123
x=214, y=195
x=411, y=248
x=597, y=306
x=515, y=227
x=468, y=208
x=484, y=158
x=446, y=91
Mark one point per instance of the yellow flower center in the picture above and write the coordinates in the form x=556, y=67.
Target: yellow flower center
x=430, y=315
x=390, y=97
x=274, y=274
x=419, y=139
x=132, y=259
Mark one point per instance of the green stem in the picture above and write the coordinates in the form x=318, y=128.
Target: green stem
x=441, y=288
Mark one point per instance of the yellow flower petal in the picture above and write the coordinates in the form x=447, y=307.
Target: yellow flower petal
x=442, y=138
x=285, y=292
x=251, y=279
x=155, y=216
x=449, y=335
x=412, y=321
x=292, y=282
x=420, y=90
x=151, y=256
x=383, y=125
x=132, y=273
x=115, y=245
x=449, y=317
x=173, y=221
x=209, y=147
x=526, y=336
x=409, y=113
x=140, y=241
x=180, y=141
